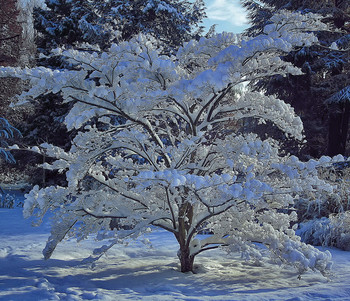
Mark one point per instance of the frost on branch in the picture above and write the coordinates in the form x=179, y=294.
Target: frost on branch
x=155, y=146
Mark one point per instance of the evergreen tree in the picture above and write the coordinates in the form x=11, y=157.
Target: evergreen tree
x=326, y=70
x=7, y=132
x=17, y=48
x=103, y=22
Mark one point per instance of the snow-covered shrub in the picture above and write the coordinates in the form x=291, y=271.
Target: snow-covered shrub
x=333, y=231
x=325, y=221
x=339, y=175
x=340, y=224
x=175, y=163
x=10, y=200
x=316, y=232
x=6, y=200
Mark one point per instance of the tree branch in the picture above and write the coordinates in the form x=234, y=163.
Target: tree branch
x=10, y=38
x=88, y=212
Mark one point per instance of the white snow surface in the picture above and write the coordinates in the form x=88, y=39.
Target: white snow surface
x=141, y=272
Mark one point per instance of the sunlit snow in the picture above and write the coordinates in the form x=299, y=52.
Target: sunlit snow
x=142, y=272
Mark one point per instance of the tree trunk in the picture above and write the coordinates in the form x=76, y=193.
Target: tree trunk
x=338, y=130
x=185, y=220
x=186, y=260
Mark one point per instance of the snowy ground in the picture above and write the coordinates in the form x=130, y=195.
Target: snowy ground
x=136, y=272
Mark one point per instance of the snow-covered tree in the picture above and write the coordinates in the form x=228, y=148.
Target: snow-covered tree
x=102, y=22
x=160, y=151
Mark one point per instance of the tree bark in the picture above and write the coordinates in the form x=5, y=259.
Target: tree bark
x=338, y=130
x=186, y=260
x=185, y=220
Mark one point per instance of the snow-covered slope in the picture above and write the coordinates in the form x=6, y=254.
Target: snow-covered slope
x=138, y=272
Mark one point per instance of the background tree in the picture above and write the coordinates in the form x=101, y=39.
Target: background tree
x=172, y=163
x=17, y=48
x=326, y=70
x=6, y=133
x=103, y=22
